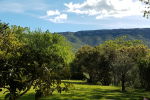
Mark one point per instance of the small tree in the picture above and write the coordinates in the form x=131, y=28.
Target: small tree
x=123, y=64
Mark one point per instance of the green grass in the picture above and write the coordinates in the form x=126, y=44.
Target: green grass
x=82, y=91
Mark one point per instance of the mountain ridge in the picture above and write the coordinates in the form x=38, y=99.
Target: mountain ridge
x=96, y=37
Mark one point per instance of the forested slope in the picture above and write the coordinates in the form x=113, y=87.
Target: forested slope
x=95, y=37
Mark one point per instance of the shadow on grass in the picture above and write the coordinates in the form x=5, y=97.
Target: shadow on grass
x=117, y=95
x=89, y=92
x=97, y=94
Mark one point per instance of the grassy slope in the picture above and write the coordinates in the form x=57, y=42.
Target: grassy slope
x=81, y=91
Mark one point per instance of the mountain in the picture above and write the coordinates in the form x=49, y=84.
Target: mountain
x=96, y=37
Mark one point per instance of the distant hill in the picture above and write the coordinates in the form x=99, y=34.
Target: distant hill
x=96, y=37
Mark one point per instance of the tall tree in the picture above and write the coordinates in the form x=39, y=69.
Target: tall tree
x=10, y=69
x=34, y=59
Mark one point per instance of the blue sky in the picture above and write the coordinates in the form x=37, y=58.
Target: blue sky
x=74, y=15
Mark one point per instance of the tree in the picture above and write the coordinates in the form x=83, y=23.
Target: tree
x=82, y=61
x=144, y=68
x=11, y=72
x=3, y=27
x=93, y=63
x=35, y=59
x=51, y=54
x=104, y=56
x=123, y=64
x=126, y=54
x=136, y=52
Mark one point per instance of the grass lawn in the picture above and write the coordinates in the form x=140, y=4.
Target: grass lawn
x=82, y=91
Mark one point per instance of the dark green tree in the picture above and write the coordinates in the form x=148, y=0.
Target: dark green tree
x=123, y=64
x=11, y=72
x=82, y=62
x=127, y=53
x=144, y=68
x=94, y=64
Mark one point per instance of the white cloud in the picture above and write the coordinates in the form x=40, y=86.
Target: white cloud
x=106, y=8
x=59, y=19
x=52, y=13
x=55, y=16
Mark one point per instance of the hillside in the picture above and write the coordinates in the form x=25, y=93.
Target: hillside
x=96, y=37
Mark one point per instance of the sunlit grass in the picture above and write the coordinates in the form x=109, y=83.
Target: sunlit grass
x=82, y=91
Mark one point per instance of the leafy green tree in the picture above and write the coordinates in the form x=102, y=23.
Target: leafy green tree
x=104, y=57
x=37, y=59
x=144, y=68
x=93, y=63
x=82, y=61
x=51, y=54
x=136, y=53
x=10, y=70
x=126, y=54
x=123, y=64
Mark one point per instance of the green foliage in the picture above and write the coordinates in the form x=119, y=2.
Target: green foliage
x=11, y=72
x=92, y=62
x=50, y=54
x=80, y=62
x=144, y=68
x=121, y=66
x=127, y=54
x=38, y=59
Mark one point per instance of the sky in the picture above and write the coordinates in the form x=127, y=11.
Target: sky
x=74, y=15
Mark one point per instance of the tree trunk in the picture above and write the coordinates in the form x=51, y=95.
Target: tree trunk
x=12, y=96
x=123, y=83
x=115, y=82
x=91, y=79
